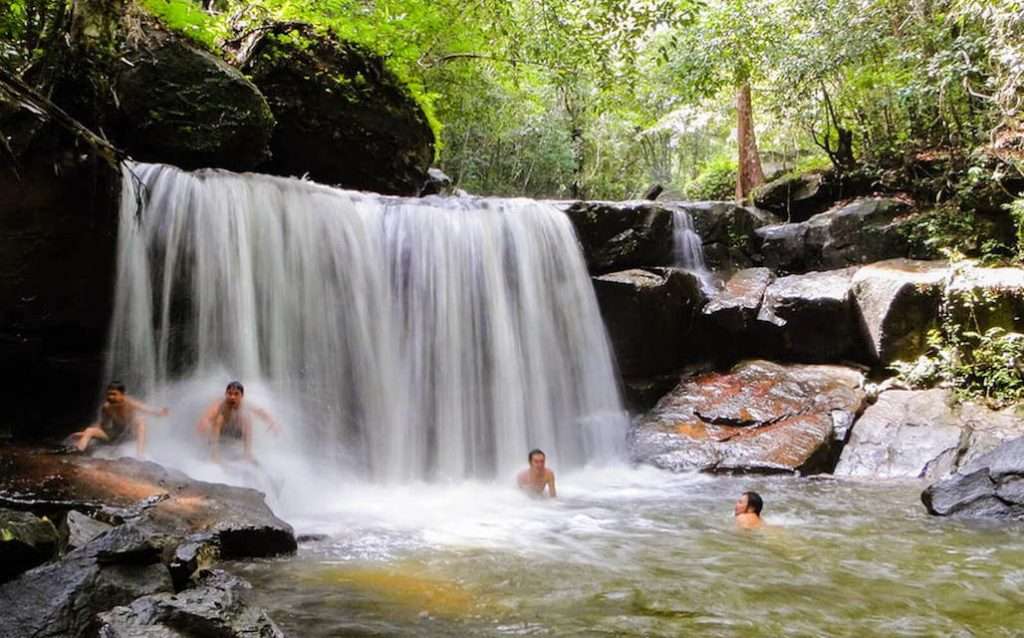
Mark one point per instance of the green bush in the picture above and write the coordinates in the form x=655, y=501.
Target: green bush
x=716, y=180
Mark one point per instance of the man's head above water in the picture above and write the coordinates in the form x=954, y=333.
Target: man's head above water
x=233, y=393
x=748, y=510
x=537, y=459
x=115, y=392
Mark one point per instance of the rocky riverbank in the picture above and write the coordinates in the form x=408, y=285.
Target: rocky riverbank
x=95, y=547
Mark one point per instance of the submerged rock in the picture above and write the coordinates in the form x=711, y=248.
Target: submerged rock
x=215, y=607
x=25, y=541
x=758, y=417
x=618, y=236
x=668, y=300
x=342, y=116
x=989, y=486
x=921, y=434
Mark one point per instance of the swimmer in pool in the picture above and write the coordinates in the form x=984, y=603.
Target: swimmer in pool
x=228, y=417
x=120, y=416
x=748, y=511
x=536, y=478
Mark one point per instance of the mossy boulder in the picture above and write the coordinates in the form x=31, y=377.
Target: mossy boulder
x=342, y=117
x=25, y=541
x=180, y=105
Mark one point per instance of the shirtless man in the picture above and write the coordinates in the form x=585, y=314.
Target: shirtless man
x=535, y=478
x=227, y=417
x=118, y=414
x=748, y=511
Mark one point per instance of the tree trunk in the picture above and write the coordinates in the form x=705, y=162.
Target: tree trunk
x=749, y=174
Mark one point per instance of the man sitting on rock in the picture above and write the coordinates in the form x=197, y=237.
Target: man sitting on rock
x=535, y=478
x=228, y=417
x=748, y=511
x=118, y=414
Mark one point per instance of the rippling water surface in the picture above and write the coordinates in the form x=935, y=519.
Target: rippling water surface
x=638, y=552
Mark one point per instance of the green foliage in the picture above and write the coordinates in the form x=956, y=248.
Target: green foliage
x=716, y=180
x=1016, y=210
x=189, y=18
x=976, y=360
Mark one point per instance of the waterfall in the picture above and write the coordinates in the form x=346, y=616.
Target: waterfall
x=688, y=252
x=428, y=338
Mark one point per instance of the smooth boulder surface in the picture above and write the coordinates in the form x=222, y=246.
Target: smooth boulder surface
x=668, y=301
x=990, y=487
x=183, y=106
x=921, y=434
x=809, y=318
x=25, y=541
x=760, y=417
x=863, y=231
x=342, y=116
x=61, y=600
x=163, y=503
x=216, y=606
x=619, y=236
x=795, y=197
x=897, y=302
x=991, y=297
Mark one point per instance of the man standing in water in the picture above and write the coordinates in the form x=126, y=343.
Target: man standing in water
x=118, y=414
x=535, y=478
x=227, y=417
x=748, y=511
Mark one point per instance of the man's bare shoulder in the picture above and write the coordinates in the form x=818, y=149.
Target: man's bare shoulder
x=549, y=474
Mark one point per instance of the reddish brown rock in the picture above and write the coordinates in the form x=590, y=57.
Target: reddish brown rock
x=758, y=417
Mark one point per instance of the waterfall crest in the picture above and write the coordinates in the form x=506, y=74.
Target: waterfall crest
x=428, y=339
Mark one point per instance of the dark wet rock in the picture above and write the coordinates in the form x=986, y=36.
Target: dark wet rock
x=199, y=551
x=734, y=307
x=311, y=538
x=990, y=486
x=58, y=231
x=164, y=505
x=898, y=303
x=183, y=106
x=921, y=434
x=25, y=541
x=795, y=197
x=217, y=606
x=727, y=232
x=61, y=599
x=342, y=117
x=83, y=528
x=758, y=417
x=438, y=183
x=618, y=236
x=809, y=318
x=668, y=300
x=860, y=232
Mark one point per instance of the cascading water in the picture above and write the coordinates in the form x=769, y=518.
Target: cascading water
x=427, y=339
x=688, y=251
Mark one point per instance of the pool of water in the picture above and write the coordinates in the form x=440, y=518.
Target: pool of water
x=639, y=552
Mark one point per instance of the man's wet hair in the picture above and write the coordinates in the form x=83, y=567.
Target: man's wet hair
x=235, y=385
x=529, y=457
x=754, y=502
x=115, y=385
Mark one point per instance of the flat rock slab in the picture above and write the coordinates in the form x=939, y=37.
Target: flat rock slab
x=921, y=434
x=990, y=486
x=165, y=502
x=622, y=235
x=759, y=417
x=734, y=308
